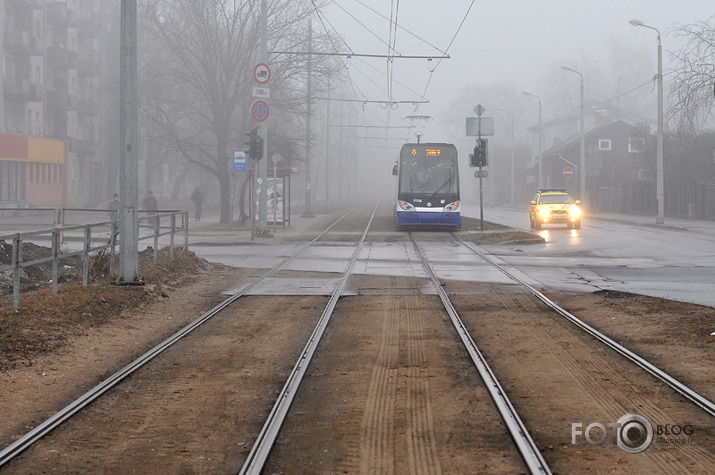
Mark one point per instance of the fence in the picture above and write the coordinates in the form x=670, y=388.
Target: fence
x=60, y=231
x=691, y=199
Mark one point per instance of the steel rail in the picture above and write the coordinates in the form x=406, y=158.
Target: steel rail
x=21, y=444
x=254, y=463
x=699, y=400
x=525, y=444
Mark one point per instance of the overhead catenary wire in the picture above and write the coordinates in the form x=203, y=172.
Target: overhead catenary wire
x=401, y=27
x=459, y=28
x=391, y=44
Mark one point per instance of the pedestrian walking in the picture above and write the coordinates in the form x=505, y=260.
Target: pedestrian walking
x=151, y=206
x=198, y=198
x=114, y=206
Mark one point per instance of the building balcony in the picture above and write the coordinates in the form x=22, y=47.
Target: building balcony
x=71, y=18
x=72, y=102
x=87, y=147
x=88, y=28
x=20, y=41
x=57, y=57
x=22, y=90
x=25, y=3
x=57, y=14
x=88, y=108
x=72, y=59
x=57, y=101
x=88, y=68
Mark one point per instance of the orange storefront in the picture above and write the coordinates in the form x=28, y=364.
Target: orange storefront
x=33, y=169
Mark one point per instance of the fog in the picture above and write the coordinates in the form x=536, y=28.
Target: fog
x=504, y=42
x=501, y=49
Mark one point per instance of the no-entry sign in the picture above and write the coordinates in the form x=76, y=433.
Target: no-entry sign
x=568, y=172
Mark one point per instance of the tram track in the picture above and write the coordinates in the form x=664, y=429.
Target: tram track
x=44, y=428
x=697, y=399
x=262, y=447
x=424, y=453
x=382, y=393
x=526, y=445
x=528, y=315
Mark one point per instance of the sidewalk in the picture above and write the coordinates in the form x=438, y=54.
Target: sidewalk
x=210, y=232
x=698, y=225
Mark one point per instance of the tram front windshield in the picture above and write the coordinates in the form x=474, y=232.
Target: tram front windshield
x=429, y=170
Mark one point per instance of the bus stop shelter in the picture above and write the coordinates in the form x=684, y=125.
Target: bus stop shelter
x=278, y=191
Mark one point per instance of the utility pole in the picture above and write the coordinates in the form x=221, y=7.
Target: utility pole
x=129, y=139
x=263, y=133
x=511, y=174
x=340, y=157
x=582, y=171
x=308, y=212
x=660, y=179
x=327, y=147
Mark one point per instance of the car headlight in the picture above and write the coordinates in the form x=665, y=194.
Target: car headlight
x=452, y=206
x=544, y=213
x=404, y=205
x=574, y=211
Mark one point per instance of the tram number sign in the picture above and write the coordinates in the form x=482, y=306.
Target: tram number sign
x=567, y=172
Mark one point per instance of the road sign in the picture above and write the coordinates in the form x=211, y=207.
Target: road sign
x=262, y=73
x=568, y=172
x=261, y=92
x=259, y=111
x=240, y=164
x=479, y=110
x=475, y=125
x=480, y=174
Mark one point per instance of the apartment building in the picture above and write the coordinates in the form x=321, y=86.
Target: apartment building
x=59, y=77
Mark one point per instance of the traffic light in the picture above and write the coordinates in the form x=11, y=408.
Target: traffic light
x=251, y=142
x=258, y=148
x=479, y=158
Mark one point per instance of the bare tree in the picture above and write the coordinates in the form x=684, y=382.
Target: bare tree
x=693, y=85
x=197, y=74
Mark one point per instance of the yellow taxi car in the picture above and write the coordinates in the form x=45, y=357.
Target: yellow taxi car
x=554, y=206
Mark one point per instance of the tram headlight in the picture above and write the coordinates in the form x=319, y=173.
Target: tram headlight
x=404, y=205
x=452, y=206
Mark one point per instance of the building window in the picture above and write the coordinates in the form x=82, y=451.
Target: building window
x=635, y=144
x=604, y=144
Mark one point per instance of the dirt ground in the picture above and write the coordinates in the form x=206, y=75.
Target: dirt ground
x=391, y=355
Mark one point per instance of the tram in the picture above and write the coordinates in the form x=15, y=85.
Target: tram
x=428, y=186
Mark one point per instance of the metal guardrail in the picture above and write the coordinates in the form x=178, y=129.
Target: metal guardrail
x=58, y=231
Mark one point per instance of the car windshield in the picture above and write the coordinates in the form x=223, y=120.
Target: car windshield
x=556, y=199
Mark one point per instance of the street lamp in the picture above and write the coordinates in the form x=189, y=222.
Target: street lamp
x=582, y=174
x=659, y=183
x=541, y=137
x=511, y=179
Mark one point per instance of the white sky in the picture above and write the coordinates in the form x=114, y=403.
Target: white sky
x=501, y=41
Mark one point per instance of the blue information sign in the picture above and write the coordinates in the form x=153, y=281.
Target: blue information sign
x=240, y=164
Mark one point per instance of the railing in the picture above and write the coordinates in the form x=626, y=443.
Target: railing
x=60, y=230
x=693, y=199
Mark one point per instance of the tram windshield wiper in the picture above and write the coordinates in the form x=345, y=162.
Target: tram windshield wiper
x=440, y=188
